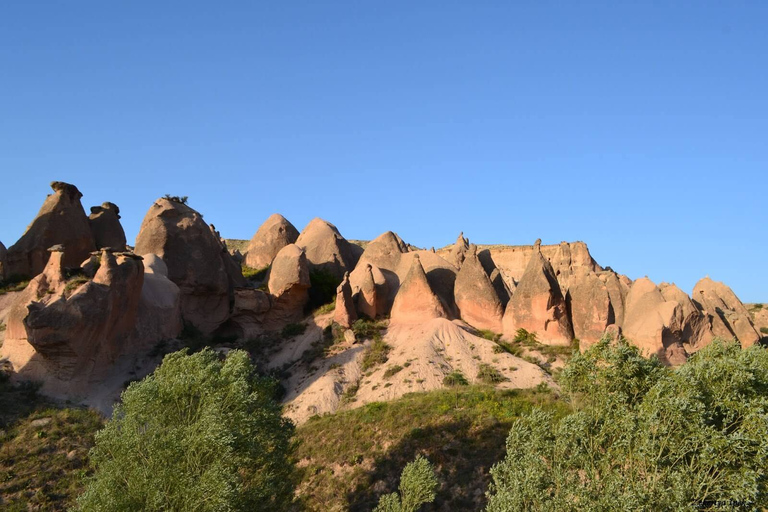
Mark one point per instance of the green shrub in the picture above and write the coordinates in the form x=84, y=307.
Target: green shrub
x=489, y=335
x=198, y=434
x=489, y=375
x=176, y=199
x=455, y=378
x=375, y=354
x=293, y=330
x=365, y=328
x=392, y=370
x=254, y=274
x=526, y=338
x=645, y=437
x=14, y=283
x=764, y=330
x=322, y=289
x=418, y=484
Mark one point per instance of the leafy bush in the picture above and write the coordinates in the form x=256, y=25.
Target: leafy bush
x=645, y=437
x=293, y=330
x=365, y=328
x=764, y=330
x=455, y=378
x=489, y=335
x=197, y=434
x=417, y=487
x=392, y=370
x=489, y=375
x=14, y=283
x=375, y=354
x=525, y=337
x=176, y=199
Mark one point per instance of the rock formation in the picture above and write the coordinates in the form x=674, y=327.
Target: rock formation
x=654, y=324
x=475, y=296
x=695, y=330
x=273, y=235
x=60, y=221
x=385, y=254
x=194, y=257
x=369, y=301
x=344, y=314
x=3, y=262
x=590, y=307
x=538, y=305
x=159, y=316
x=415, y=300
x=106, y=228
x=69, y=331
x=288, y=286
x=459, y=251
x=617, y=293
x=326, y=249
x=249, y=314
x=729, y=317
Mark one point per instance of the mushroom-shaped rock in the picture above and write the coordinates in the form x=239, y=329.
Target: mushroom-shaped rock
x=326, y=249
x=3, y=261
x=288, y=285
x=61, y=220
x=195, y=260
x=106, y=228
x=654, y=324
x=459, y=250
x=273, y=235
x=475, y=296
x=415, y=301
x=345, y=313
x=538, y=305
x=729, y=317
x=590, y=306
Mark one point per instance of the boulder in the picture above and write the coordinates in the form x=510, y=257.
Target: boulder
x=106, y=228
x=3, y=262
x=60, y=221
x=248, y=314
x=67, y=333
x=654, y=324
x=729, y=317
x=326, y=249
x=288, y=286
x=273, y=235
x=344, y=314
x=589, y=304
x=415, y=301
x=195, y=260
x=475, y=296
x=695, y=330
x=538, y=305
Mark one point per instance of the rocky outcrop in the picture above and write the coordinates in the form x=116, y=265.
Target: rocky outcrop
x=459, y=251
x=415, y=300
x=270, y=238
x=728, y=316
x=384, y=254
x=106, y=228
x=538, y=305
x=654, y=324
x=68, y=332
x=617, y=293
x=159, y=316
x=370, y=298
x=249, y=314
x=344, y=314
x=695, y=330
x=475, y=296
x=195, y=260
x=589, y=304
x=288, y=286
x=60, y=221
x=326, y=249
x=3, y=262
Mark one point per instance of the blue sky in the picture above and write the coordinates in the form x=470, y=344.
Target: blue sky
x=640, y=129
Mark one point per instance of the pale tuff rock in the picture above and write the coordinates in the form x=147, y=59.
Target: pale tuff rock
x=195, y=259
x=590, y=306
x=538, y=305
x=384, y=254
x=729, y=317
x=61, y=220
x=106, y=228
x=475, y=296
x=459, y=251
x=695, y=329
x=344, y=314
x=617, y=293
x=288, y=286
x=326, y=249
x=271, y=237
x=372, y=294
x=415, y=301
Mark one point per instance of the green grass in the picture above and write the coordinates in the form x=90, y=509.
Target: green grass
x=254, y=274
x=375, y=354
x=392, y=370
x=350, y=458
x=291, y=330
x=487, y=374
x=764, y=330
x=14, y=283
x=365, y=328
x=74, y=283
x=489, y=335
x=322, y=289
x=455, y=378
x=326, y=308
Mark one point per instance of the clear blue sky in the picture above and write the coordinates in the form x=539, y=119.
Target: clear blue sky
x=640, y=129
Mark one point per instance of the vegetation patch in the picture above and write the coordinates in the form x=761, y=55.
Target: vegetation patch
x=176, y=199
x=375, y=354
x=365, y=328
x=322, y=289
x=293, y=329
x=455, y=378
x=487, y=374
x=14, y=283
x=392, y=370
x=254, y=274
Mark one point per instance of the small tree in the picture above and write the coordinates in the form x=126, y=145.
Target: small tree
x=417, y=486
x=198, y=434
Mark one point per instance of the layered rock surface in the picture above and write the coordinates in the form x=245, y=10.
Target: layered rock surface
x=415, y=300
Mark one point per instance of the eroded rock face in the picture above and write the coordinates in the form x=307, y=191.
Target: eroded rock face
x=195, y=260
x=3, y=261
x=344, y=314
x=475, y=296
x=288, y=286
x=459, y=251
x=273, y=235
x=384, y=254
x=415, y=301
x=654, y=324
x=729, y=317
x=695, y=328
x=326, y=249
x=106, y=228
x=60, y=221
x=369, y=299
x=617, y=293
x=159, y=316
x=538, y=305
x=71, y=332
x=249, y=314
x=590, y=306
